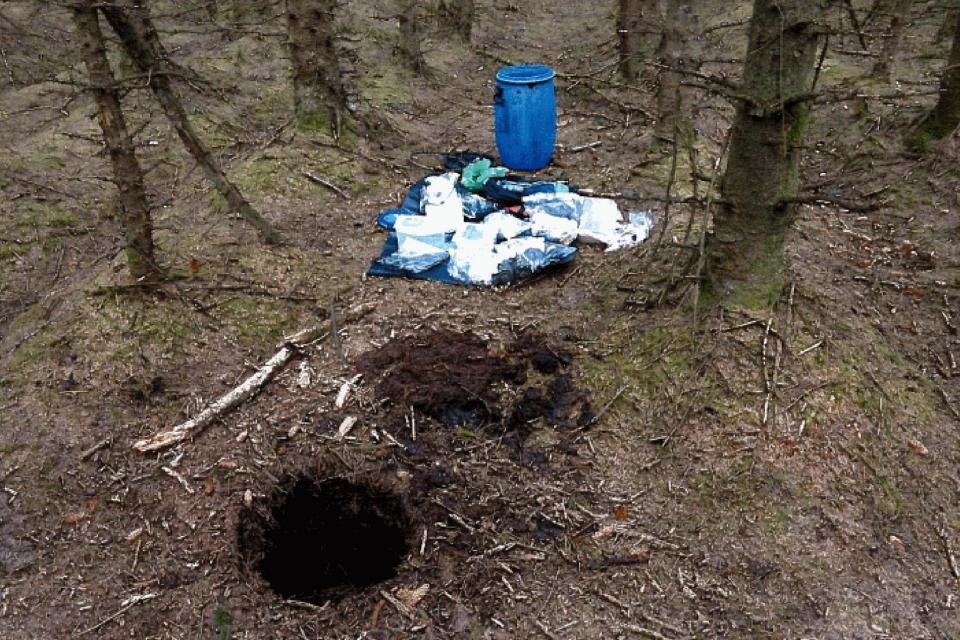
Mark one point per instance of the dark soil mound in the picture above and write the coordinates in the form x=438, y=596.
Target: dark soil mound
x=544, y=358
x=445, y=375
x=559, y=403
x=451, y=377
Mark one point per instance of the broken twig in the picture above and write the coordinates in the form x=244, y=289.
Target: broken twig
x=246, y=390
x=326, y=183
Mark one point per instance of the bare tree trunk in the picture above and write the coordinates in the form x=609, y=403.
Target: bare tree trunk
x=899, y=17
x=855, y=23
x=948, y=28
x=318, y=93
x=679, y=52
x=459, y=14
x=945, y=116
x=638, y=29
x=127, y=175
x=133, y=26
x=240, y=10
x=744, y=255
x=409, y=43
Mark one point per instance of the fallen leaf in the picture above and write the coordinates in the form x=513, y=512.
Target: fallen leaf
x=412, y=597
x=604, y=532
x=345, y=427
x=74, y=517
x=919, y=448
x=639, y=553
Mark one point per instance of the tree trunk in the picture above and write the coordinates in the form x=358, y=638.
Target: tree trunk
x=948, y=28
x=679, y=52
x=127, y=175
x=133, y=26
x=240, y=10
x=318, y=94
x=945, y=116
x=899, y=17
x=409, y=43
x=459, y=14
x=744, y=255
x=638, y=31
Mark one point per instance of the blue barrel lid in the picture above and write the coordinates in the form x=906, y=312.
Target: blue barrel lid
x=525, y=74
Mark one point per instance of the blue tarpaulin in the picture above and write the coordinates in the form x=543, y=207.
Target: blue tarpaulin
x=510, y=229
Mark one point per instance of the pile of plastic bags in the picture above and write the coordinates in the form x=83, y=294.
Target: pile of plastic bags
x=479, y=226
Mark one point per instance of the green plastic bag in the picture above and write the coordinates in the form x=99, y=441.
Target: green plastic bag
x=476, y=174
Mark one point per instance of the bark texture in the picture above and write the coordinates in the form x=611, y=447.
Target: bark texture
x=744, y=255
x=131, y=22
x=459, y=14
x=318, y=93
x=899, y=11
x=409, y=43
x=127, y=174
x=679, y=52
x=945, y=116
x=948, y=28
x=241, y=10
x=638, y=32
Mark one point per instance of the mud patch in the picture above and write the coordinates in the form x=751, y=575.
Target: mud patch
x=543, y=357
x=319, y=541
x=558, y=403
x=454, y=378
x=445, y=375
x=15, y=554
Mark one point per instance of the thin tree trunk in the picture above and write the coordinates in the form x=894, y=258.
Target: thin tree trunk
x=127, y=175
x=899, y=17
x=638, y=32
x=945, y=116
x=409, y=43
x=459, y=13
x=855, y=23
x=240, y=10
x=133, y=26
x=948, y=28
x=318, y=94
x=744, y=255
x=679, y=52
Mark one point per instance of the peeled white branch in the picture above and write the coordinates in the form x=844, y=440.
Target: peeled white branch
x=247, y=389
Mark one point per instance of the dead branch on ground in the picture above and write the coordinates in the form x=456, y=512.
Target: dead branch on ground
x=247, y=389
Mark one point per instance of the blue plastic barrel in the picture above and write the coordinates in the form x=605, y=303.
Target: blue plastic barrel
x=525, y=116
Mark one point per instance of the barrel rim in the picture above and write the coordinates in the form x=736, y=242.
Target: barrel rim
x=525, y=74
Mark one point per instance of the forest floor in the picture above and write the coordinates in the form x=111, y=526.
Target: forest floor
x=611, y=470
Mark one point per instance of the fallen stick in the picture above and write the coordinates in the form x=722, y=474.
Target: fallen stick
x=345, y=390
x=125, y=606
x=584, y=147
x=246, y=390
x=326, y=183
